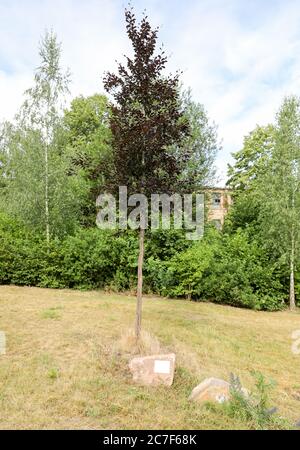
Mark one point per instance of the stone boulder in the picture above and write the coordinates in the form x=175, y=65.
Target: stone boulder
x=211, y=390
x=153, y=370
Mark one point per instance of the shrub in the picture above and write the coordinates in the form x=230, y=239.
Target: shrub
x=91, y=258
x=223, y=268
x=226, y=269
x=254, y=408
x=186, y=271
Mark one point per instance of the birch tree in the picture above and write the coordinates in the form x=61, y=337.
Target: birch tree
x=38, y=189
x=279, y=190
x=41, y=110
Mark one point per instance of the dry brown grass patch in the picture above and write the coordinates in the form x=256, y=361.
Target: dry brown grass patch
x=71, y=371
x=147, y=344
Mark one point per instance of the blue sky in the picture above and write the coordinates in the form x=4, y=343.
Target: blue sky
x=240, y=57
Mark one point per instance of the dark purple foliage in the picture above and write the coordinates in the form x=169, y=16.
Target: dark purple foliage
x=146, y=116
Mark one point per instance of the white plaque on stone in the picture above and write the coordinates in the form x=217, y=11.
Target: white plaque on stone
x=161, y=366
x=153, y=370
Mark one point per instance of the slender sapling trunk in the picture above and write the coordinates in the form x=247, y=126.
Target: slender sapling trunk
x=139, y=300
x=292, y=276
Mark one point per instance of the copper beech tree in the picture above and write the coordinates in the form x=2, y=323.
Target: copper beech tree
x=146, y=119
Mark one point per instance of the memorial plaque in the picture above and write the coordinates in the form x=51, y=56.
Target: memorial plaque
x=153, y=370
x=161, y=366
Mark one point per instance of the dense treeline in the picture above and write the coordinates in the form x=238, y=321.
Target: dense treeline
x=54, y=162
x=224, y=268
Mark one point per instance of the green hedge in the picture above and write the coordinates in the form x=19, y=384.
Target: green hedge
x=228, y=269
x=225, y=269
x=92, y=258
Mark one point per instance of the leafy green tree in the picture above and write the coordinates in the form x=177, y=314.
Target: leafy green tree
x=88, y=147
x=37, y=189
x=250, y=164
x=202, y=144
x=279, y=192
x=41, y=109
x=5, y=142
x=252, y=159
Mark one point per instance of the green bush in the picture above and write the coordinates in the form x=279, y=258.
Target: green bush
x=19, y=254
x=186, y=271
x=223, y=268
x=254, y=408
x=226, y=269
x=91, y=258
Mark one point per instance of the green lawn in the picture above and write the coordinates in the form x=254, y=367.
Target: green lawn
x=66, y=366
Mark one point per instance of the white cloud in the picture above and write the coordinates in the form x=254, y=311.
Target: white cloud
x=240, y=58
x=92, y=34
x=11, y=88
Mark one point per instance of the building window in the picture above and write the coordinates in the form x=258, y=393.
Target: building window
x=216, y=200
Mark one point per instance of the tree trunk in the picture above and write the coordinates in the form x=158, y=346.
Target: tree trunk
x=138, y=319
x=292, y=279
x=47, y=194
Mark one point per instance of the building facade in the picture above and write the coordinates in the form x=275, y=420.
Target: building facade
x=218, y=203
